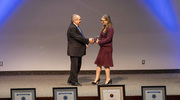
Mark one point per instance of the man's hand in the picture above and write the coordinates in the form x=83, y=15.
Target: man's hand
x=91, y=40
x=86, y=46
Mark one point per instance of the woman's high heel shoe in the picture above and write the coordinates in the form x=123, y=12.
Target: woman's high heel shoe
x=94, y=83
x=110, y=82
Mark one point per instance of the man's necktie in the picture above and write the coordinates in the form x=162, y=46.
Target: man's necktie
x=80, y=31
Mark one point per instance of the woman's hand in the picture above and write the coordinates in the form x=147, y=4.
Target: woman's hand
x=97, y=41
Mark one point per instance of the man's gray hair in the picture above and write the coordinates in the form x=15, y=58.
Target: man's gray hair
x=74, y=17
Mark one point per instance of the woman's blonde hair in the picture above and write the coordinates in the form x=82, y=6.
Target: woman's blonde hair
x=109, y=23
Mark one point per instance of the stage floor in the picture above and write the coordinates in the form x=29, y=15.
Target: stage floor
x=132, y=82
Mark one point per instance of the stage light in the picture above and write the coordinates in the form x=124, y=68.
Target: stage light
x=6, y=8
x=163, y=10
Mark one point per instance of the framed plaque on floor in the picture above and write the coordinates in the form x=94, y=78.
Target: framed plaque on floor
x=111, y=92
x=23, y=94
x=65, y=93
x=153, y=92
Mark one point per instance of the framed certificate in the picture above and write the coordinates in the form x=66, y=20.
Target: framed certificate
x=23, y=94
x=111, y=92
x=65, y=93
x=153, y=92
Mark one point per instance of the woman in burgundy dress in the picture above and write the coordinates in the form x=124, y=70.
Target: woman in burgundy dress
x=104, y=57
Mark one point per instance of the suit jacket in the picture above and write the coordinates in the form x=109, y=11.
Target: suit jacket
x=76, y=42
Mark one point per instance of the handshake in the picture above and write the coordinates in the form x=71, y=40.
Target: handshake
x=93, y=40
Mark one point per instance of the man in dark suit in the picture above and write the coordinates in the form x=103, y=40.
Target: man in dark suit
x=77, y=44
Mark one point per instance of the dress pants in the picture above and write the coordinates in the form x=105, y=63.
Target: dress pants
x=75, y=68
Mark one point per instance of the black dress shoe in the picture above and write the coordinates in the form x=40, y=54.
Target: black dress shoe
x=69, y=82
x=76, y=84
x=94, y=83
x=110, y=82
